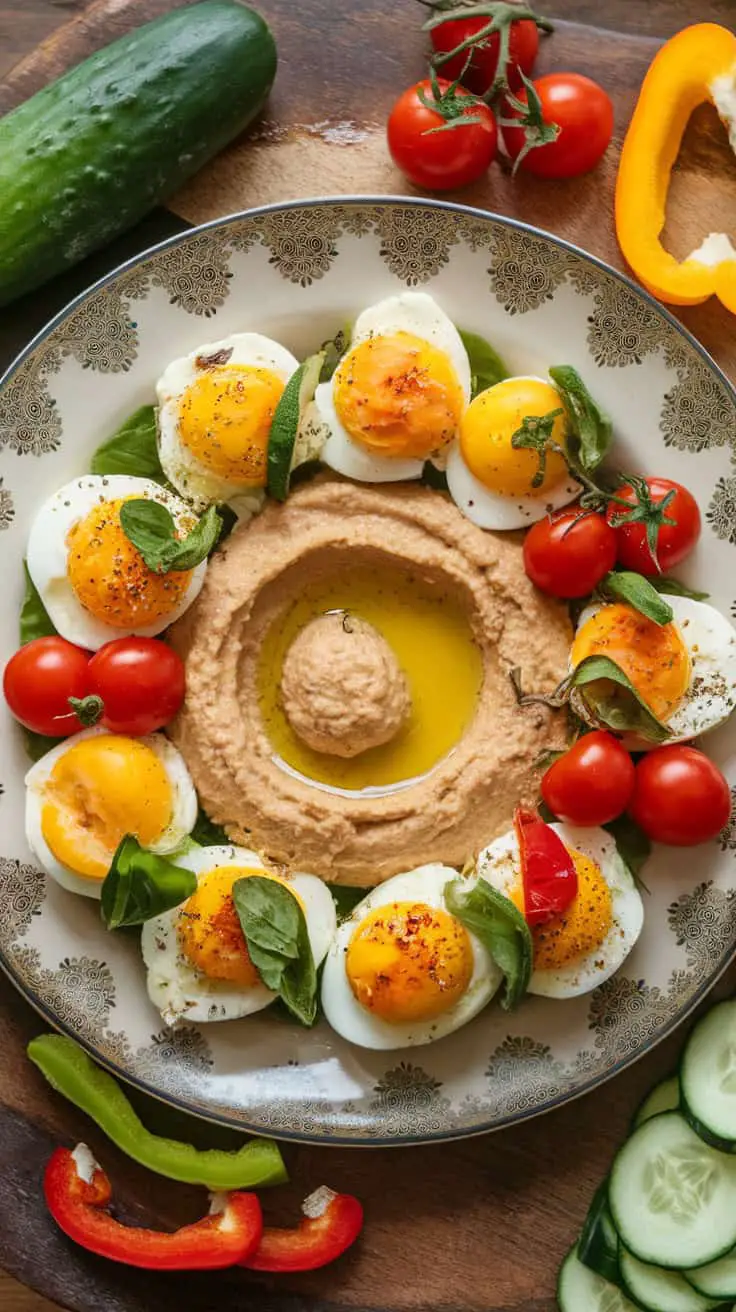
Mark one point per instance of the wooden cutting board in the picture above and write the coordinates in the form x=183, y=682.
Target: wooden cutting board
x=479, y=1225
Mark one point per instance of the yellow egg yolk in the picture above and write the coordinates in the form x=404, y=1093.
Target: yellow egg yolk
x=111, y=579
x=99, y=790
x=653, y=656
x=487, y=429
x=582, y=927
x=409, y=962
x=397, y=395
x=225, y=419
x=209, y=930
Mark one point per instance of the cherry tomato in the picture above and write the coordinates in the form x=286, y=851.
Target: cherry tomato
x=141, y=683
x=592, y=783
x=548, y=871
x=449, y=158
x=480, y=73
x=680, y=796
x=568, y=554
x=584, y=114
x=674, y=541
x=38, y=682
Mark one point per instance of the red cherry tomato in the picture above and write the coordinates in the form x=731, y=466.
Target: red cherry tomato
x=568, y=554
x=141, y=683
x=481, y=72
x=584, y=114
x=451, y=157
x=38, y=682
x=680, y=796
x=675, y=540
x=592, y=783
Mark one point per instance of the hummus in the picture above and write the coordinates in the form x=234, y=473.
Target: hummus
x=254, y=580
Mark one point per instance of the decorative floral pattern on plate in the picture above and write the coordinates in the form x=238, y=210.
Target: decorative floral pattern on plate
x=100, y=362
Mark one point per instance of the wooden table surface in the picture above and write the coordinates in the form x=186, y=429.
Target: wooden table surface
x=477, y=1225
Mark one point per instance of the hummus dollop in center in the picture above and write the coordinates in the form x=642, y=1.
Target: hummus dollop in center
x=254, y=580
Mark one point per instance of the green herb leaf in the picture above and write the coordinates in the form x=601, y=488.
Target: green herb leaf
x=346, y=898
x=612, y=700
x=676, y=588
x=334, y=349
x=35, y=621
x=37, y=744
x=634, y=847
x=501, y=929
x=151, y=528
x=638, y=592
x=284, y=444
x=591, y=430
x=434, y=477
x=535, y=434
x=132, y=450
x=140, y=885
x=486, y=366
x=207, y=833
x=275, y=931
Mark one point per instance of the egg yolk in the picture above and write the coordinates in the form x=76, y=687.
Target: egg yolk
x=225, y=419
x=209, y=929
x=397, y=395
x=582, y=927
x=109, y=576
x=489, y=424
x=653, y=656
x=99, y=790
x=409, y=962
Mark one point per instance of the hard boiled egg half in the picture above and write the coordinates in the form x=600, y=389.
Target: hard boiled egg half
x=685, y=671
x=586, y=944
x=196, y=955
x=397, y=396
x=216, y=406
x=93, y=582
x=496, y=484
x=84, y=795
x=402, y=969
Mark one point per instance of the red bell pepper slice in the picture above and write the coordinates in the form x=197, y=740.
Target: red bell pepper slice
x=77, y=1190
x=331, y=1223
x=547, y=869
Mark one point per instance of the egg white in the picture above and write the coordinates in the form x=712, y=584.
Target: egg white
x=496, y=510
x=190, y=476
x=499, y=864
x=178, y=989
x=345, y=1014
x=710, y=697
x=410, y=312
x=183, y=795
x=47, y=555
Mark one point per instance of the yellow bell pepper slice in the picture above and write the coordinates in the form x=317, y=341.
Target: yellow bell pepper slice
x=697, y=65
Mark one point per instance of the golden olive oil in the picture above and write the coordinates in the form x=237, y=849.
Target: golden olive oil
x=430, y=634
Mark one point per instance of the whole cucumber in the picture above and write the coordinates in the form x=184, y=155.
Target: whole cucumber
x=89, y=155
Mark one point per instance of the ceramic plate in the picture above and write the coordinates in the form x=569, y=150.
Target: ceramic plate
x=298, y=272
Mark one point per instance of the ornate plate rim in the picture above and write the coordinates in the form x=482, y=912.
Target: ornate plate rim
x=434, y=1136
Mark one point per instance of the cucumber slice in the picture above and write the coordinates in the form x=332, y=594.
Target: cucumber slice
x=708, y=1075
x=665, y=1097
x=658, y=1290
x=672, y=1197
x=717, y=1280
x=282, y=454
x=580, y=1290
x=598, y=1243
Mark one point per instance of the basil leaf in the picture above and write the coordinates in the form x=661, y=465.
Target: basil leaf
x=34, y=621
x=132, y=449
x=486, y=366
x=638, y=592
x=37, y=744
x=334, y=349
x=150, y=527
x=434, y=477
x=502, y=930
x=591, y=427
x=140, y=885
x=346, y=898
x=634, y=847
x=676, y=588
x=275, y=931
x=619, y=708
x=207, y=833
